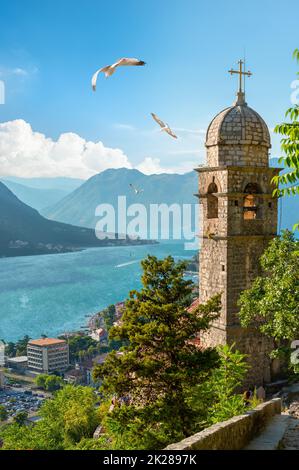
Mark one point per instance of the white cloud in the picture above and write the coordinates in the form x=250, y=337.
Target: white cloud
x=26, y=153
x=151, y=166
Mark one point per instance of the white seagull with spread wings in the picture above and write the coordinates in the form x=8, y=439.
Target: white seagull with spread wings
x=164, y=127
x=110, y=69
x=136, y=190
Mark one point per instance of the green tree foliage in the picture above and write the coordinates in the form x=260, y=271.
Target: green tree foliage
x=49, y=382
x=81, y=346
x=73, y=410
x=16, y=437
x=66, y=419
x=40, y=381
x=17, y=349
x=3, y=413
x=290, y=147
x=22, y=346
x=154, y=372
x=10, y=349
x=216, y=398
x=272, y=303
x=108, y=316
x=93, y=444
x=20, y=418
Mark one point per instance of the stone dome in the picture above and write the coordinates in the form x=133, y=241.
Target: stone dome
x=238, y=124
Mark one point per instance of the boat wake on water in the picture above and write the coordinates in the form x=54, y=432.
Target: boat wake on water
x=127, y=264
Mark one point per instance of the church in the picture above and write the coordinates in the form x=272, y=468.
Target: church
x=238, y=219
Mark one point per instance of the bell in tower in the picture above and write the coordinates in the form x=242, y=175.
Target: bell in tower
x=239, y=218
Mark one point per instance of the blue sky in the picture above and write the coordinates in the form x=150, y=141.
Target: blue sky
x=50, y=49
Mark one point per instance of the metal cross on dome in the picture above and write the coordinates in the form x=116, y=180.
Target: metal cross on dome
x=241, y=74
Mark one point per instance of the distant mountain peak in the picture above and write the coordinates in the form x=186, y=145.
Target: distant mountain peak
x=23, y=231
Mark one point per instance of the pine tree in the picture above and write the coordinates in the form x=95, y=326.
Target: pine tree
x=151, y=376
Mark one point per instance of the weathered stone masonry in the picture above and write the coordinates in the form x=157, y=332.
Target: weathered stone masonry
x=239, y=218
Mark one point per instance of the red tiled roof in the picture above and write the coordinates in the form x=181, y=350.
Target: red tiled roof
x=46, y=341
x=196, y=342
x=194, y=304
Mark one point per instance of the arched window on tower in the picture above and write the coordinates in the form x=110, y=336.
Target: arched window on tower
x=251, y=206
x=212, y=201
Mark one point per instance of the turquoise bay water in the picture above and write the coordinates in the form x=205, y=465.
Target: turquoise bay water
x=51, y=294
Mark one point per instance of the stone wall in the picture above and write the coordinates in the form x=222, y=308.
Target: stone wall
x=257, y=349
x=233, y=434
x=231, y=183
x=213, y=279
x=240, y=154
x=243, y=266
x=231, y=247
x=248, y=341
x=239, y=218
x=229, y=267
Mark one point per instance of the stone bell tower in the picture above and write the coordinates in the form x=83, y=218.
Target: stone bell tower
x=239, y=218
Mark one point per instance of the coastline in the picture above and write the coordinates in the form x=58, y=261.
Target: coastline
x=60, y=249
x=53, y=294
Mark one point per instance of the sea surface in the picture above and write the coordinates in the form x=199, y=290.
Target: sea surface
x=53, y=294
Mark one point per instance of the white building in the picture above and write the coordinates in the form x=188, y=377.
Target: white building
x=98, y=334
x=1, y=379
x=2, y=354
x=48, y=355
x=18, y=363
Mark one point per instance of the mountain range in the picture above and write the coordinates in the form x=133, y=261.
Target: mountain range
x=60, y=182
x=23, y=231
x=79, y=206
x=40, y=193
x=67, y=224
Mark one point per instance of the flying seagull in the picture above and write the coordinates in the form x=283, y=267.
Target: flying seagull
x=136, y=190
x=110, y=69
x=164, y=127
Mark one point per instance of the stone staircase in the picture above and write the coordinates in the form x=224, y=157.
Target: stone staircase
x=282, y=431
x=273, y=435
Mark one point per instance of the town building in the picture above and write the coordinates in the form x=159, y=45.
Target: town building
x=99, y=334
x=2, y=353
x=238, y=219
x=1, y=379
x=48, y=355
x=76, y=376
x=18, y=363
